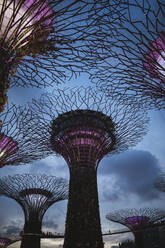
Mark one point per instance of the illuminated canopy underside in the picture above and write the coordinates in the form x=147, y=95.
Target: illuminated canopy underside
x=35, y=197
x=4, y=242
x=137, y=221
x=7, y=147
x=155, y=58
x=82, y=137
x=21, y=19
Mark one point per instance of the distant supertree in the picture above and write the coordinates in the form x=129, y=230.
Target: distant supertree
x=16, y=143
x=135, y=65
x=35, y=193
x=83, y=126
x=4, y=242
x=137, y=220
x=43, y=42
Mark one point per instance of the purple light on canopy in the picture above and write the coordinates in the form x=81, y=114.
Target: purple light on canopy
x=28, y=16
x=137, y=221
x=7, y=147
x=155, y=58
x=4, y=242
x=82, y=137
x=43, y=10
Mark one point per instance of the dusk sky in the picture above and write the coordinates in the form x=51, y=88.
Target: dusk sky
x=125, y=180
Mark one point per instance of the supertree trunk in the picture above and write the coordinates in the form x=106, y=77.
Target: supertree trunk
x=139, y=239
x=83, y=229
x=30, y=242
x=32, y=226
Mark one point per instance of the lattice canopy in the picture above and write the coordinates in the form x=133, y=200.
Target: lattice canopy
x=4, y=242
x=155, y=58
x=35, y=193
x=135, y=63
x=137, y=221
x=35, y=197
x=82, y=137
x=16, y=141
x=7, y=147
x=23, y=21
x=83, y=125
x=136, y=218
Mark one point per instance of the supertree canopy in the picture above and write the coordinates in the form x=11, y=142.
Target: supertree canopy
x=16, y=142
x=4, y=242
x=43, y=42
x=83, y=126
x=35, y=193
x=137, y=220
x=135, y=64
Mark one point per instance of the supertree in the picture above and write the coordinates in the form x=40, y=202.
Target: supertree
x=4, y=242
x=43, y=42
x=35, y=193
x=135, y=64
x=83, y=126
x=137, y=220
x=16, y=142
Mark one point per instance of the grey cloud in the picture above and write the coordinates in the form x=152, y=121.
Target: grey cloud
x=12, y=229
x=135, y=172
x=55, y=166
x=50, y=223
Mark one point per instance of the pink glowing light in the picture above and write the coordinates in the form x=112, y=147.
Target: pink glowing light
x=4, y=242
x=155, y=58
x=84, y=138
x=137, y=221
x=7, y=146
x=31, y=16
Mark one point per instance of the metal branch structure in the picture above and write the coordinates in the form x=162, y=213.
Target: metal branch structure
x=137, y=220
x=45, y=42
x=4, y=242
x=16, y=141
x=83, y=126
x=135, y=64
x=35, y=193
x=160, y=182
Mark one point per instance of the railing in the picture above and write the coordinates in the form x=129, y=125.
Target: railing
x=61, y=235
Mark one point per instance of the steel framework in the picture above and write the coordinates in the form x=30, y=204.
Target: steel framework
x=35, y=194
x=4, y=242
x=16, y=142
x=83, y=126
x=135, y=64
x=137, y=220
x=45, y=42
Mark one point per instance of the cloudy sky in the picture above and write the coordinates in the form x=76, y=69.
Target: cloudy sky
x=124, y=180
